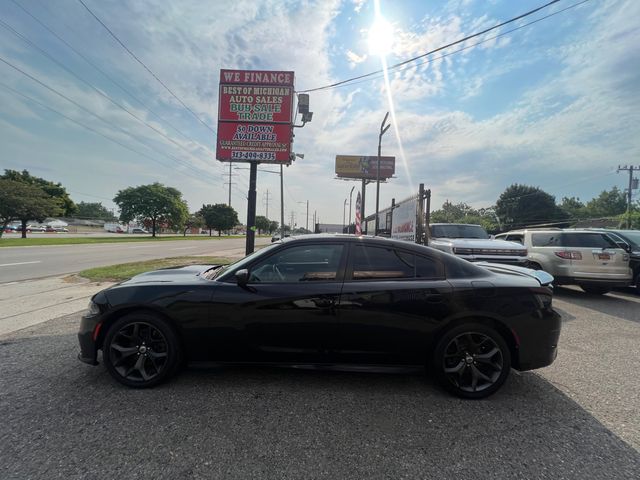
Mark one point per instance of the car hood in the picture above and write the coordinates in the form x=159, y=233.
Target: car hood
x=188, y=274
x=480, y=243
x=543, y=278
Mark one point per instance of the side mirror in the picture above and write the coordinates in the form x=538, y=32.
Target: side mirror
x=242, y=277
x=625, y=246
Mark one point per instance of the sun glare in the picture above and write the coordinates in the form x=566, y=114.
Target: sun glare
x=380, y=37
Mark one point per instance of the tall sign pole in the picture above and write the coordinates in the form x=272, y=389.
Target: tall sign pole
x=255, y=125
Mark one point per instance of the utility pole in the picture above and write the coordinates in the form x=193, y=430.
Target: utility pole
x=307, y=223
x=281, y=204
x=229, y=182
x=629, y=169
x=267, y=194
x=293, y=216
x=251, y=209
x=383, y=129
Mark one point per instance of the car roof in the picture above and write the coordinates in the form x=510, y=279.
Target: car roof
x=368, y=239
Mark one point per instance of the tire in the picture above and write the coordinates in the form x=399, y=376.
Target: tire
x=595, y=290
x=637, y=283
x=457, y=363
x=141, y=350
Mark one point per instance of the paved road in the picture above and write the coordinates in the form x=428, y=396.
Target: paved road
x=574, y=420
x=23, y=263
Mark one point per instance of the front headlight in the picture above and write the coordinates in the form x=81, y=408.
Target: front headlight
x=94, y=309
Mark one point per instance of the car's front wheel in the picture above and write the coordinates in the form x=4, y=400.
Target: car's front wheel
x=472, y=360
x=141, y=350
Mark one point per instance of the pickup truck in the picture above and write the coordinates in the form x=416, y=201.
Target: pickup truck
x=473, y=243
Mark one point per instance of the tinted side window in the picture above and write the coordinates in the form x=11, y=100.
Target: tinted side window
x=546, y=239
x=515, y=238
x=588, y=240
x=374, y=263
x=302, y=263
x=424, y=267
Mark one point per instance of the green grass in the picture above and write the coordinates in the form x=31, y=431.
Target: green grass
x=124, y=271
x=59, y=240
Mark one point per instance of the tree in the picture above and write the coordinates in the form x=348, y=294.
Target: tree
x=450, y=213
x=154, y=204
x=219, y=217
x=195, y=220
x=54, y=190
x=262, y=224
x=573, y=207
x=24, y=202
x=273, y=226
x=609, y=203
x=94, y=210
x=523, y=205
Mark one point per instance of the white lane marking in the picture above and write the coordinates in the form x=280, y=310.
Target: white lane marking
x=184, y=248
x=19, y=263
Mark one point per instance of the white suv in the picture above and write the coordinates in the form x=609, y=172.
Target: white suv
x=589, y=259
x=473, y=243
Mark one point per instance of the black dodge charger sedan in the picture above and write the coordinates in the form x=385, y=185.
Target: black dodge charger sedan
x=329, y=301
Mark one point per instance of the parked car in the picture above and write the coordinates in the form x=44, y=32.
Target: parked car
x=50, y=229
x=329, y=301
x=138, y=230
x=473, y=243
x=31, y=228
x=590, y=259
x=628, y=240
x=10, y=229
x=276, y=237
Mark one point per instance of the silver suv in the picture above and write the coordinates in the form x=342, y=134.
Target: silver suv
x=591, y=260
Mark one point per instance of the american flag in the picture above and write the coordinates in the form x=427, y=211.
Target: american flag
x=358, y=216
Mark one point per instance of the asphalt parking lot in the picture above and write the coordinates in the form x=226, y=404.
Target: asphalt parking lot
x=576, y=419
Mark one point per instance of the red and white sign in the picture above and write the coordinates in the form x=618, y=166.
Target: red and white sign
x=250, y=142
x=255, y=116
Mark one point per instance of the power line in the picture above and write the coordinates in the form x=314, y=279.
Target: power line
x=97, y=90
x=375, y=75
x=145, y=67
x=91, y=129
x=106, y=75
x=51, y=89
x=435, y=50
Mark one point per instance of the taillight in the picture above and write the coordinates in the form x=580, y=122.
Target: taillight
x=569, y=255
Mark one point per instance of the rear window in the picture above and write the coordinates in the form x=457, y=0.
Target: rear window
x=570, y=239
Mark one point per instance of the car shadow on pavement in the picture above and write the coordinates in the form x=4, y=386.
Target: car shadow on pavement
x=64, y=417
x=623, y=305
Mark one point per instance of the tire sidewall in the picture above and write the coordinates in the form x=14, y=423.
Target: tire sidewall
x=173, y=349
x=438, y=354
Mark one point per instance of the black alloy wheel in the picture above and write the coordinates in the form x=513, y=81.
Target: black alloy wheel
x=472, y=361
x=141, y=350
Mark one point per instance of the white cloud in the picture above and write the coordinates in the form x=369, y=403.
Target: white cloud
x=354, y=58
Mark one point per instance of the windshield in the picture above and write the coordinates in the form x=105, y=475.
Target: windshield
x=631, y=236
x=458, y=231
x=220, y=274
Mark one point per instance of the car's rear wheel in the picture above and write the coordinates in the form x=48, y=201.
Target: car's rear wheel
x=595, y=289
x=637, y=281
x=141, y=350
x=472, y=360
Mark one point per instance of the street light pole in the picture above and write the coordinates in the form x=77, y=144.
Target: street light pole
x=344, y=207
x=383, y=129
x=350, y=198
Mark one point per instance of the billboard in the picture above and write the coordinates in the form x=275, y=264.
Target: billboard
x=255, y=111
x=364, y=167
x=403, y=225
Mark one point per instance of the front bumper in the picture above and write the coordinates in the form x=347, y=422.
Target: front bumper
x=88, y=349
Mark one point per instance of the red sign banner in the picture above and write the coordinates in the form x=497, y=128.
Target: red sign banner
x=255, y=112
x=259, y=142
x=253, y=103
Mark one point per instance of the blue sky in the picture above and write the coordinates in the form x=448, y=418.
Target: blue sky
x=554, y=104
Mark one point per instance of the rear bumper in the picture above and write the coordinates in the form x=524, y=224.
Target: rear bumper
x=539, y=341
x=519, y=261
x=88, y=350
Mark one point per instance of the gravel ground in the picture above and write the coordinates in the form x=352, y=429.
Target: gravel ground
x=64, y=419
